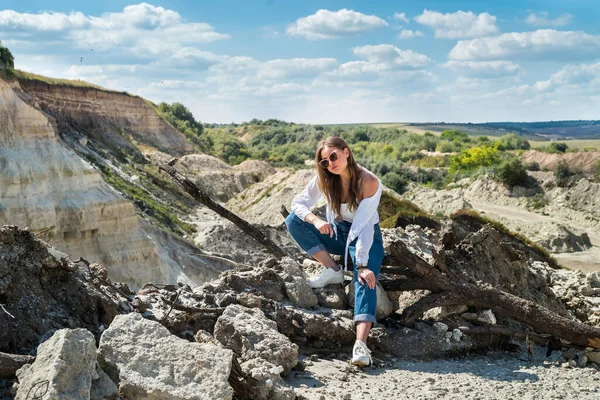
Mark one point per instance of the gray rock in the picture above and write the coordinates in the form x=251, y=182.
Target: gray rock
x=296, y=287
x=264, y=353
x=66, y=361
x=486, y=316
x=593, y=357
x=440, y=328
x=457, y=335
x=150, y=363
x=102, y=386
x=251, y=335
x=582, y=360
x=332, y=296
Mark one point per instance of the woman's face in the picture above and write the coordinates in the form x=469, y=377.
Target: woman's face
x=340, y=156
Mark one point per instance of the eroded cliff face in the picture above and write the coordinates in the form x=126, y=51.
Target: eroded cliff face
x=45, y=185
x=97, y=112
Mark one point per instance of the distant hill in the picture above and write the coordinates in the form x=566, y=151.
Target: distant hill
x=576, y=129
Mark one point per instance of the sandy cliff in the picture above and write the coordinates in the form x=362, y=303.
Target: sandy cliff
x=44, y=184
x=97, y=112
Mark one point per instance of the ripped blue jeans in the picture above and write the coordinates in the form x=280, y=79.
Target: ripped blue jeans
x=311, y=240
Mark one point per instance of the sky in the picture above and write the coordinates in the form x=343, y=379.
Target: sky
x=333, y=61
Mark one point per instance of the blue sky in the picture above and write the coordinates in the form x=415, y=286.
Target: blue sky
x=324, y=61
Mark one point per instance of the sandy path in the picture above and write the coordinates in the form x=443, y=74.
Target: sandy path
x=586, y=261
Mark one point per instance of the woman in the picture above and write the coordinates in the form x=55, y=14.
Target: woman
x=352, y=226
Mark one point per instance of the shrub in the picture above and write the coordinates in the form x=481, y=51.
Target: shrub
x=532, y=166
x=512, y=173
x=473, y=158
x=7, y=60
x=562, y=172
x=394, y=182
x=557, y=147
x=513, y=142
x=598, y=168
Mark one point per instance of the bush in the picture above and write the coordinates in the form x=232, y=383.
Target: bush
x=7, y=60
x=394, y=182
x=557, y=147
x=562, y=172
x=512, y=173
x=473, y=158
x=532, y=166
x=598, y=168
x=513, y=142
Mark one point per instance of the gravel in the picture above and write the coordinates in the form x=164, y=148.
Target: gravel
x=497, y=375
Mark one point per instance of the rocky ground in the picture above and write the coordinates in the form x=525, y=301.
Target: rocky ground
x=496, y=375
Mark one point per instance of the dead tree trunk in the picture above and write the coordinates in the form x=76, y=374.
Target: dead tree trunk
x=203, y=198
x=447, y=290
x=10, y=363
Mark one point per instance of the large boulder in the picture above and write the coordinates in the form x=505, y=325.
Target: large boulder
x=63, y=369
x=151, y=363
x=264, y=353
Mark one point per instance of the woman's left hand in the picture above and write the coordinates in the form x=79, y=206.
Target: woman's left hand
x=365, y=275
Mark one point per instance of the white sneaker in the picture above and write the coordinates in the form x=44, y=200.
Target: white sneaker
x=326, y=276
x=361, y=355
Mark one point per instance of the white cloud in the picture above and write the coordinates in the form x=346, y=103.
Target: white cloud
x=392, y=56
x=541, y=19
x=325, y=24
x=458, y=25
x=583, y=76
x=537, y=45
x=295, y=67
x=408, y=34
x=142, y=27
x=483, y=69
x=401, y=17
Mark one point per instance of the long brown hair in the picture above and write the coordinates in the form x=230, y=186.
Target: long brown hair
x=331, y=184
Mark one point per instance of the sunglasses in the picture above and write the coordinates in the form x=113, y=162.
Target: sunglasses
x=333, y=157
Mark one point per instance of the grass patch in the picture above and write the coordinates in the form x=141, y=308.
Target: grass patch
x=23, y=75
x=390, y=208
x=500, y=227
x=144, y=200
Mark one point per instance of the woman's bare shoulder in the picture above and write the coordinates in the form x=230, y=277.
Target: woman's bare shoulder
x=370, y=183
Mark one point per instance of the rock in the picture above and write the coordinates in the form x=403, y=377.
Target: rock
x=408, y=298
x=251, y=335
x=469, y=316
x=457, y=335
x=593, y=357
x=332, y=296
x=384, y=305
x=582, y=360
x=66, y=361
x=296, y=286
x=102, y=386
x=440, y=328
x=43, y=294
x=264, y=353
x=487, y=317
x=437, y=313
x=149, y=362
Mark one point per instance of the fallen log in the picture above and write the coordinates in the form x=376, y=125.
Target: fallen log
x=205, y=199
x=10, y=363
x=449, y=290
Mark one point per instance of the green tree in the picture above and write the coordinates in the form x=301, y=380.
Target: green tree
x=562, y=172
x=557, y=147
x=7, y=61
x=512, y=172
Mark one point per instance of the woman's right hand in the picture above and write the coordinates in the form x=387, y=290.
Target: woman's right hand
x=324, y=227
